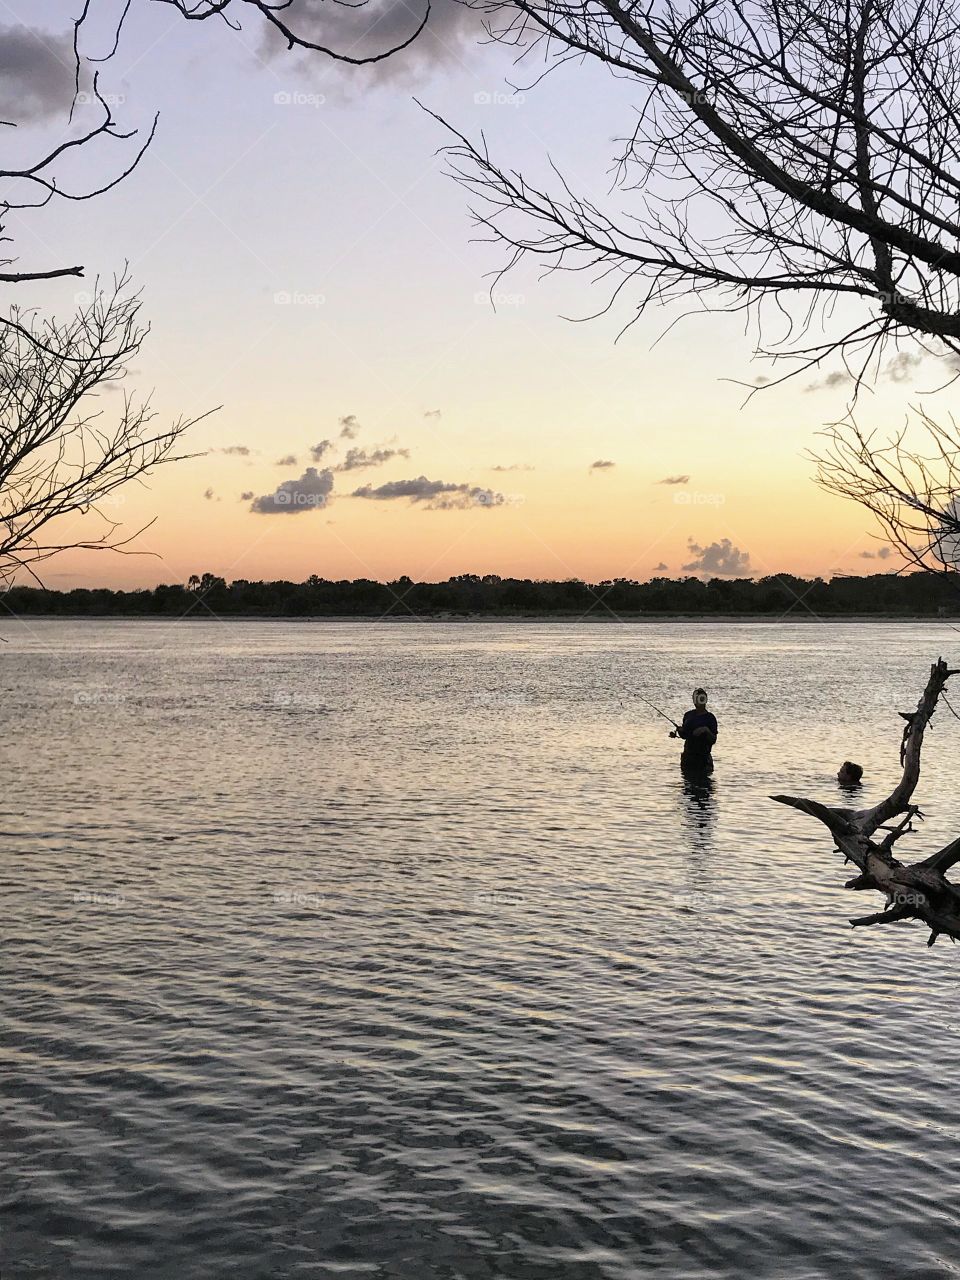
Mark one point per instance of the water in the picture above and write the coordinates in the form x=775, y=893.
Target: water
x=350, y=950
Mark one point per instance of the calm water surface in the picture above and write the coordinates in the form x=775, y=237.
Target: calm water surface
x=352, y=950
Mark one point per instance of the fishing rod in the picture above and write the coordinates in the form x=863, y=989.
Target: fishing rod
x=669, y=719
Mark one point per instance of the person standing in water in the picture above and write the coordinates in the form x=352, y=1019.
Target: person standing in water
x=699, y=732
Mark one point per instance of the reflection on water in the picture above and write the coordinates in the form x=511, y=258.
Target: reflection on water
x=699, y=810
x=408, y=951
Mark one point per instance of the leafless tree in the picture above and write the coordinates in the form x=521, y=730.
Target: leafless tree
x=779, y=152
x=35, y=182
x=61, y=457
x=910, y=483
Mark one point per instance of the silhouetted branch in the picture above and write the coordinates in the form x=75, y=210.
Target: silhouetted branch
x=781, y=150
x=912, y=492
x=59, y=455
x=918, y=891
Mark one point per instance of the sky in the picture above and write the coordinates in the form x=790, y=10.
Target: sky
x=310, y=271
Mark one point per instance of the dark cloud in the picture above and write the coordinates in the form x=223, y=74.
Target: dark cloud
x=238, y=450
x=674, y=480
x=882, y=553
x=467, y=496
x=721, y=558
x=900, y=368
x=602, y=464
x=289, y=461
x=659, y=568
x=514, y=466
x=209, y=494
x=36, y=74
x=839, y=378
x=356, y=459
x=376, y=27
x=439, y=495
x=309, y=493
x=318, y=450
x=349, y=427
x=248, y=496
x=433, y=413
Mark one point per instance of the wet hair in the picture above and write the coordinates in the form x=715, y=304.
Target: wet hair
x=854, y=770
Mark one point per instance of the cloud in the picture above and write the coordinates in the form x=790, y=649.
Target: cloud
x=377, y=27
x=247, y=496
x=349, y=426
x=659, y=568
x=439, y=495
x=289, y=461
x=882, y=553
x=902, y=366
x=602, y=464
x=310, y=492
x=209, y=494
x=318, y=450
x=839, y=378
x=721, y=558
x=238, y=450
x=514, y=466
x=674, y=480
x=36, y=74
x=358, y=458
x=433, y=413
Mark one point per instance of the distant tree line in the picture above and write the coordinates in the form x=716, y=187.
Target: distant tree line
x=919, y=593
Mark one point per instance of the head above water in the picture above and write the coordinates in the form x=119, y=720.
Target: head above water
x=700, y=699
x=849, y=774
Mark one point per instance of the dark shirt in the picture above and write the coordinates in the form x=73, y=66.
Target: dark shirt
x=701, y=744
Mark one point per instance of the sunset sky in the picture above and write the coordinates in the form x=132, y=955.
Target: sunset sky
x=307, y=265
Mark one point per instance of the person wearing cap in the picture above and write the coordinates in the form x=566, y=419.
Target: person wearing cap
x=699, y=731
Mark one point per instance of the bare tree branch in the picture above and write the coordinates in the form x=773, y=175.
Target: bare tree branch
x=918, y=891
x=913, y=492
x=782, y=150
x=60, y=455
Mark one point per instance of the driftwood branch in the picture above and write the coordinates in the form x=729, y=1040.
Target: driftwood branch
x=914, y=891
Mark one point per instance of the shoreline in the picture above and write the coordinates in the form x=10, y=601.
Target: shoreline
x=592, y=619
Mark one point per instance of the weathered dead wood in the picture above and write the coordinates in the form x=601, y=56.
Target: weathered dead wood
x=915, y=891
